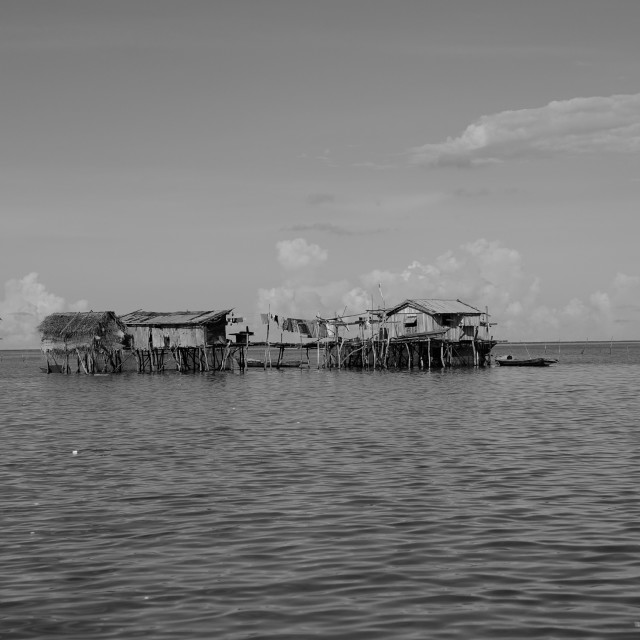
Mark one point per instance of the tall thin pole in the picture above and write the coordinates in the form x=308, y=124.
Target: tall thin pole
x=267, y=353
x=337, y=340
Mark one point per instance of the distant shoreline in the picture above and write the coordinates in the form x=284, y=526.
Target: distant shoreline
x=583, y=342
x=499, y=344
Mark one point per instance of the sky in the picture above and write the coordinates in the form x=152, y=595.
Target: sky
x=320, y=157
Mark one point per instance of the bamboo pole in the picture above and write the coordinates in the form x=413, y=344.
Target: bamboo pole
x=337, y=340
x=267, y=350
x=386, y=350
x=300, y=338
x=206, y=359
x=81, y=362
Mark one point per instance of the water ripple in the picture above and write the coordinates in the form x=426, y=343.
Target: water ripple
x=444, y=504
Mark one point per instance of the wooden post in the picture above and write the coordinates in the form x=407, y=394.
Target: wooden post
x=335, y=328
x=267, y=350
x=280, y=355
x=224, y=355
x=206, y=359
x=80, y=361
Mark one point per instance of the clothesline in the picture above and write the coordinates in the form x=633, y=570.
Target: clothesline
x=318, y=327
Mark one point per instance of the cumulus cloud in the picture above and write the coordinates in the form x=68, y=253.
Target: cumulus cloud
x=26, y=303
x=578, y=125
x=481, y=273
x=485, y=273
x=303, y=300
x=298, y=253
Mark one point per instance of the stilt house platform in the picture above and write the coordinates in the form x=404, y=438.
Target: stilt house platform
x=417, y=333
x=182, y=340
x=424, y=333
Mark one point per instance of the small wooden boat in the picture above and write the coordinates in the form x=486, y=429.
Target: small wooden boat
x=510, y=361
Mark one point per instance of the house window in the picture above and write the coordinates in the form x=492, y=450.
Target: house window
x=411, y=324
x=468, y=331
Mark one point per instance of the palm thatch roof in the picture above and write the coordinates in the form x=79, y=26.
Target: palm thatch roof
x=83, y=327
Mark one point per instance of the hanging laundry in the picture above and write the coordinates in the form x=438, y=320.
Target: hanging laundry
x=316, y=329
x=303, y=328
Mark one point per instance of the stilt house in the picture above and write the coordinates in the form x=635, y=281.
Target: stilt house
x=453, y=320
x=91, y=340
x=191, y=337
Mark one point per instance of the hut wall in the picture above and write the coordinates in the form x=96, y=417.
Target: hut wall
x=195, y=336
x=138, y=337
x=216, y=332
x=178, y=337
x=57, y=346
x=410, y=321
x=470, y=328
x=61, y=347
x=165, y=336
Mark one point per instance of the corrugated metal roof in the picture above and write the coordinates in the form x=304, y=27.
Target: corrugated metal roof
x=173, y=318
x=436, y=307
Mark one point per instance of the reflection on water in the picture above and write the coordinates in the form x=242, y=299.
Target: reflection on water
x=340, y=504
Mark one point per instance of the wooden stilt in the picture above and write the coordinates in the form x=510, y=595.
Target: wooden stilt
x=81, y=362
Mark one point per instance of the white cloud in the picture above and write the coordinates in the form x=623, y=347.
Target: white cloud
x=578, y=125
x=298, y=253
x=26, y=303
x=303, y=300
x=481, y=273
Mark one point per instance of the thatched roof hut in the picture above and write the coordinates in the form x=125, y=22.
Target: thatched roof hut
x=88, y=329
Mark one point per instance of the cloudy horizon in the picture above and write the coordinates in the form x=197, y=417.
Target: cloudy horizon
x=297, y=155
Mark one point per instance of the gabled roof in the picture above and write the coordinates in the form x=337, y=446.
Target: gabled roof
x=173, y=318
x=435, y=307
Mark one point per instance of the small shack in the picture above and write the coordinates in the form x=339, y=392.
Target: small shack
x=455, y=333
x=196, y=340
x=93, y=339
x=453, y=319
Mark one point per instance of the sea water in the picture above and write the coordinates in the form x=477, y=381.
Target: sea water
x=306, y=503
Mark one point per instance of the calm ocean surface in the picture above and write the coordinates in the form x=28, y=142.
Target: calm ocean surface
x=467, y=503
